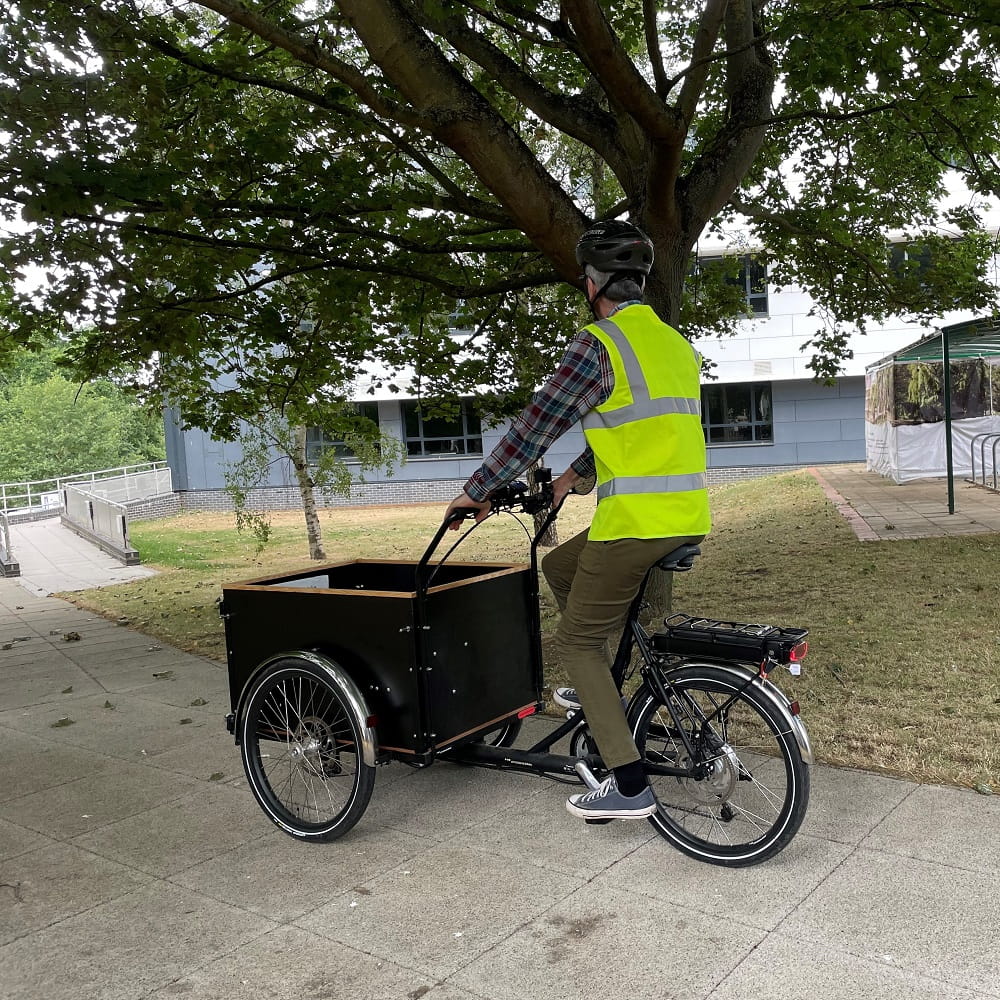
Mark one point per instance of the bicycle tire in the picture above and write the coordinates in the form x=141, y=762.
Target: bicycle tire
x=299, y=740
x=754, y=797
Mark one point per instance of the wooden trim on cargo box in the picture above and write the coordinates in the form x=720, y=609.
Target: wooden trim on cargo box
x=270, y=583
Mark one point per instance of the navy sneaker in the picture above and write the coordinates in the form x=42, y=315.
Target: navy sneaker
x=567, y=697
x=607, y=802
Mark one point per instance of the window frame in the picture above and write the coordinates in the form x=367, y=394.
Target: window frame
x=466, y=434
x=755, y=422
x=364, y=408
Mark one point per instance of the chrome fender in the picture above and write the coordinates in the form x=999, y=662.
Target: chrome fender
x=771, y=692
x=338, y=678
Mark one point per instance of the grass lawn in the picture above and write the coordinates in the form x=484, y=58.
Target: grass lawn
x=903, y=674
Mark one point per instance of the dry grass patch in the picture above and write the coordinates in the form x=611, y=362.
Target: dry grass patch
x=902, y=674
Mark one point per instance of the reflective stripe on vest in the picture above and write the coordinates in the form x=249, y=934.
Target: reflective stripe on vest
x=625, y=485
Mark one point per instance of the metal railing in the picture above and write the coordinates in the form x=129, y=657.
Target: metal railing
x=126, y=481
x=8, y=564
x=104, y=519
x=991, y=438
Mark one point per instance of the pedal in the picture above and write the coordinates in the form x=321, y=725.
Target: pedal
x=599, y=821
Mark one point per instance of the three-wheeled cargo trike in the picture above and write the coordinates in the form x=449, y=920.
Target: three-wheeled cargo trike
x=337, y=670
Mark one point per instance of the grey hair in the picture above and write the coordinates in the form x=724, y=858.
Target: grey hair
x=622, y=290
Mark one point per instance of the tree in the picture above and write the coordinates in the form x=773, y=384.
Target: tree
x=51, y=426
x=420, y=156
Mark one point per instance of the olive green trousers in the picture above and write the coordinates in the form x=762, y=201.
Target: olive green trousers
x=594, y=583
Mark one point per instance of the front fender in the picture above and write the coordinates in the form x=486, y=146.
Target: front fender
x=338, y=678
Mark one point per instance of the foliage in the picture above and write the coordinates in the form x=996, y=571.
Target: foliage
x=194, y=172
x=50, y=426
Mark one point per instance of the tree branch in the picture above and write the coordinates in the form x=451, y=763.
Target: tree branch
x=459, y=117
x=619, y=77
x=697, y=72
x=649, y=12
x=312, y=54
x=577, y=117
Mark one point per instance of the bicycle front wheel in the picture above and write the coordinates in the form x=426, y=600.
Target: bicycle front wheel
x=748, y=789
x=301, y=738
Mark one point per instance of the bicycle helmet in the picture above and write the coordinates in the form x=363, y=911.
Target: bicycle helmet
x=615, y=247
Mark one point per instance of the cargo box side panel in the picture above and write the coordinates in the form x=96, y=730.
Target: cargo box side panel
x=480, y=654
x=369, y=634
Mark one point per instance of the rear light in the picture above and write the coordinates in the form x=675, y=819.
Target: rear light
x=798, y=653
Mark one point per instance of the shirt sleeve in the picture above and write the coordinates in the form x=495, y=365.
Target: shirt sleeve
x=581, y=382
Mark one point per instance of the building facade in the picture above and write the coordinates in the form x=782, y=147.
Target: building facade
x=763, y=411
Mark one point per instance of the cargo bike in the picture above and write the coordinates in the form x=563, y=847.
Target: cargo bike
x=340, y=669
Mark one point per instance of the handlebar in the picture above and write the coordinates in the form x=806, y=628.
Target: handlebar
x=514, y=498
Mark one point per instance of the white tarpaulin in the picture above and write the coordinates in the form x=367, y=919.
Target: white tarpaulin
x=917, y=451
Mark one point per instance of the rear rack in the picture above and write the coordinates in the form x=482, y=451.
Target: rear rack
x=687, y=636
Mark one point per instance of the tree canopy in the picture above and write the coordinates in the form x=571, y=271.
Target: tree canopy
x=345, y=180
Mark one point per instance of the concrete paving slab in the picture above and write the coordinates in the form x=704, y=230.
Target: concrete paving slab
x=213, y=754
x=130, y=728
x=560, y=842
x=88, y=803
x=16, y=839
x=872, y=798
x=127, y=947
x=761, y=896
x=184, y=832
x=442, y=800
x=937, y=824
x=441, y=911
x=602, y=942
x=931, y=920
x=284, y=879
x=292, y=964
x=56, y=882
x=792, y=969
x=32, y=762
x=44, y=683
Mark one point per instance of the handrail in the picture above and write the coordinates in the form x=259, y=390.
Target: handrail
x=47, y=493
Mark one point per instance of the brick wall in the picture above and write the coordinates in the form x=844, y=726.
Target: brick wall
x=364, y=495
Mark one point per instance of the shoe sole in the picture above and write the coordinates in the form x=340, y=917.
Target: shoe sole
x=642, y=813
x=564, y=703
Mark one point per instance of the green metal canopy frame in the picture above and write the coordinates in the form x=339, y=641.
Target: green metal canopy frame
x=977, y=338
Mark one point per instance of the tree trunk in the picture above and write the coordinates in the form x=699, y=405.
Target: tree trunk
x=313, y=529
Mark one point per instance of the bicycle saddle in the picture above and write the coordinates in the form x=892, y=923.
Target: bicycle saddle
x=681, y=559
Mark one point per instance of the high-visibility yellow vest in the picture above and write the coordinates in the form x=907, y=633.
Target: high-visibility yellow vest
x=647, y=439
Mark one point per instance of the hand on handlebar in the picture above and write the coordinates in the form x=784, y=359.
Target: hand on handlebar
x=563, y=485
x=466, y=503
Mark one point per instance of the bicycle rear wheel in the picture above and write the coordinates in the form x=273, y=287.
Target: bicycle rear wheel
x=752, y=787
x=300, y=739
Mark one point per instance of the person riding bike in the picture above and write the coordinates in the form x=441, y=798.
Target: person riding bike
x=632, y=381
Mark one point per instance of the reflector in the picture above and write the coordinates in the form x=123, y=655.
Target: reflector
x=525, y=712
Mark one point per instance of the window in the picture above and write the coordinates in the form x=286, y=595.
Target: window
x=752, y=279
x=736, y=414
x=317, y=441
x=455, y=434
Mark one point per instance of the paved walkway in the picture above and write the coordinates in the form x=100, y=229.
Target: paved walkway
x=880, y=510
x=134, y=864
x=53, y=559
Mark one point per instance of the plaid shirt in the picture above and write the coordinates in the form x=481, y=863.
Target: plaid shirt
x=582, y=381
